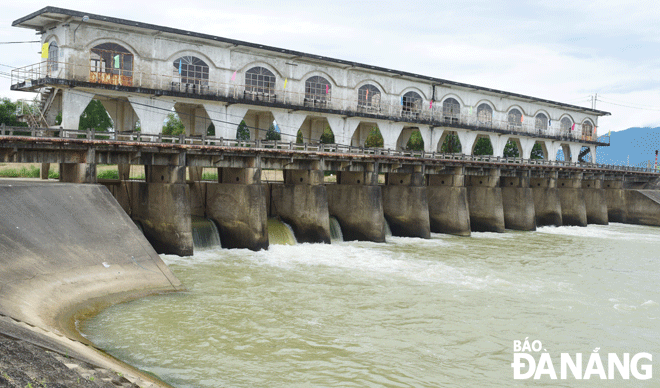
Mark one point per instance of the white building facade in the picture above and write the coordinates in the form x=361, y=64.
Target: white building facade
x=141, y=72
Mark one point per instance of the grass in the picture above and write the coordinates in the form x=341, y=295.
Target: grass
x=108, y=174
x=27, y=172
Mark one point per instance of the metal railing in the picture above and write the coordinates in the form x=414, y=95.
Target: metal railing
x=256, y=145
x=389, y=107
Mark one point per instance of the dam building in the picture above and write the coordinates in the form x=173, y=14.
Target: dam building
x=142, y=72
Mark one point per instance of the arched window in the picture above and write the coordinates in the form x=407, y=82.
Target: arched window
x=565, y=125
x=485, y=115
x=259, y=80
x=541, y=124
x=514, y=119
x=587, y=130
x=369, y=98
x=53, y=55
x=191, y=71
x=111, y=63
x=317, y=91
x=412, y=103
x=451, y=110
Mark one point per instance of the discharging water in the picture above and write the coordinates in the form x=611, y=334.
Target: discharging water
x=205, y=234
x=408, y=313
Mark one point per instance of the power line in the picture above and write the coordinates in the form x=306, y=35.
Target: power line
x=27, y=41
x=629, y=106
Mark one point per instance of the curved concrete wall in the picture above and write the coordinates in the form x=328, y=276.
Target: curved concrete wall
x=64, y=246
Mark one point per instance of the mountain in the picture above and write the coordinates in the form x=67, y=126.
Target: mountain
x=632, y=146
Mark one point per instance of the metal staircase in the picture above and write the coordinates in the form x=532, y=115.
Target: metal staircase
x=34, y=112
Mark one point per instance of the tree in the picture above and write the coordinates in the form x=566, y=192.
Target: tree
x=173, y=126
x=95, y=117
x=374, y=139
x=242, y=132
x=415, y=143
x=273, y=133
x=327, y=137
x=537, y=152
x=451, y=145
x=483, y=146
x=210, y=131
x=8, y=113
x=511, y=150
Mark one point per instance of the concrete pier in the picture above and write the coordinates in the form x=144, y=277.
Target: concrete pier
x=595, y=201
x=161, y=205
x=448, y=204
x=405, y=205
x=357, y=206
x=302, y=202
x=571, y=197
x=485, y=203
x=518, y=203
x=615, y=196
x=239, y=206
x=547, y=206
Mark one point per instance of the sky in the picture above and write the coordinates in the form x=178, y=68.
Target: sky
x=561, y=50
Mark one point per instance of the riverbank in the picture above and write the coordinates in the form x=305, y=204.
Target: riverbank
x=66, y=252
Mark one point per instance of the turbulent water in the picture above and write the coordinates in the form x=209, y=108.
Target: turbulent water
x=408, y=313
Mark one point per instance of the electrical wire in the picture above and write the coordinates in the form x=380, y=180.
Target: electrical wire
x=27, y=41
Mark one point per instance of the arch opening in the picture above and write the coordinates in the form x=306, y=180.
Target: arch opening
x=190, y=75
x=53, y=55
x=410, y=139
x=484, y=115
x=318, y=92
x=451, y=144
x=512, y=149
x=514, y=120
x=369, y=98
x=587, y=130
x=259, y=84
x=451, y=110
x=411, y=104
x=482, y=146
x=541, y=123
x=111, y=63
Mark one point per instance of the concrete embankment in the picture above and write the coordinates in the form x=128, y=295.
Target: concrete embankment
x=67, y=251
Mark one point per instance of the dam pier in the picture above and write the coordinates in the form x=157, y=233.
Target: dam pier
x=415, y=193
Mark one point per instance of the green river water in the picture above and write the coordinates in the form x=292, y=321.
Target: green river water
x=442, y=312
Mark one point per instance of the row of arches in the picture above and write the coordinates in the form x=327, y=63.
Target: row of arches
x=191, y=74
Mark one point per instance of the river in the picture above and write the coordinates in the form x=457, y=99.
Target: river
x=442, y=312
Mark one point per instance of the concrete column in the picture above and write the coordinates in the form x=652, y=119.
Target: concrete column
x=161, y=205
x=526, y=145
x=357, y=206
x=80, y=172
x=258, y=123
x=238, y=205
x=448, y=203
x=485, y=203
x=390, y=132
x=405, y=205
x=343, y=129
x=592, y=152
x=547, y=206
x=498, y=142
x=595, y=201
x=571, y=197
x=74, y=103
x=289, y=123
x=427, y=136
x=615, y=196
x=552, y=147
x=152, y=113
x=360, y=134
x=467, y=139
x=436, y=139
x=302, y=202
x=226, y=119
x=518, y=202
x=575, y=151
x=45, y=169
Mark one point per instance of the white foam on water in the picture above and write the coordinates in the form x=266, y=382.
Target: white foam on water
x=610, y=232
x=371, y=259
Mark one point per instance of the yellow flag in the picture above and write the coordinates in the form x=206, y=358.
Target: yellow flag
x=285, y=81
x=609, y=133
x=44, y=51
